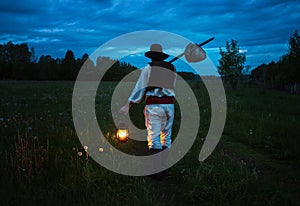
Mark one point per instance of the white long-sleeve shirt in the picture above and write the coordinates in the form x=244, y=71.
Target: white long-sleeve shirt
x=139, y=90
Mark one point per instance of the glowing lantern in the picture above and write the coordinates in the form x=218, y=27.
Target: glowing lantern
x=122, y=133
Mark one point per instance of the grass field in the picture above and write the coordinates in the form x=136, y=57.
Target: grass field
x=43, y=162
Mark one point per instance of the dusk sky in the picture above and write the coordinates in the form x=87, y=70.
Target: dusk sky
x=262, y=28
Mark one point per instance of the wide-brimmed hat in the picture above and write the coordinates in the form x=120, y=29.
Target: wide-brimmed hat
x=156, y=52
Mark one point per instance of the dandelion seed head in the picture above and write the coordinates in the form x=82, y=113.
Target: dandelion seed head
x=243, y=162
x=254, y=172
x=101, y=149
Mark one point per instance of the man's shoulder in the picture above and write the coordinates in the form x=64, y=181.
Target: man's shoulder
x=147, y=67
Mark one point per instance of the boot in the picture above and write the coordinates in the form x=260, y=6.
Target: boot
x=164, y=161
x=156, y=176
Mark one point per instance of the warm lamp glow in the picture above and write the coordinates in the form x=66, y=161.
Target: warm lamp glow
x=122, y=135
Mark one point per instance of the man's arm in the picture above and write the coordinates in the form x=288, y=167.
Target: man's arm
x=139, y=90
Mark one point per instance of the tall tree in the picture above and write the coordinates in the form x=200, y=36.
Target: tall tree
x=68, y=67
x=293, y=57
x=231, y=63
x=15, y=60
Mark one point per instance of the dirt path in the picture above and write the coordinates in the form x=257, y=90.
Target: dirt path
x=282, y=175
x=168, y=188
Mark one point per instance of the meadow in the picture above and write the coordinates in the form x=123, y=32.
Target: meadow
x=43, y=162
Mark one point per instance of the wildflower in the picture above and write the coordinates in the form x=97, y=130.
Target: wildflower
x=254, y=171
x=100, y=149
x=79, y=154
x=243, y=162
x=85, y=148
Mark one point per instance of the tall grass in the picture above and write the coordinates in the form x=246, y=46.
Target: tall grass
x=43, y=162
x=268, y=121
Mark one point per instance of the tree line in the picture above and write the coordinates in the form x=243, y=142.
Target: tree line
x=18, y=62
x=282, y=75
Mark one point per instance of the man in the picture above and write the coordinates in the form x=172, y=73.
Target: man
x=156, y=84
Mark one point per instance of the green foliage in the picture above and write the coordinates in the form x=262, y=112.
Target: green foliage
x=15, y=60
x=284, y=74
x=231, y=63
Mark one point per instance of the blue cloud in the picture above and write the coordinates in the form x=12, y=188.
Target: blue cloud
x=53, y=26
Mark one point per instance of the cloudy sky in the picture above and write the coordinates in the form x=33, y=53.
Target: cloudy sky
x=261, y=27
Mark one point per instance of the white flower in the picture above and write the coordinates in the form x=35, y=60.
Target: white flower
x=254, y=172
x=243, y=162
x=79, y=154
x=101, y=149
x=85, y=148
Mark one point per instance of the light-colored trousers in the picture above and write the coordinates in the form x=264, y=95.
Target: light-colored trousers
x=159, y=120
